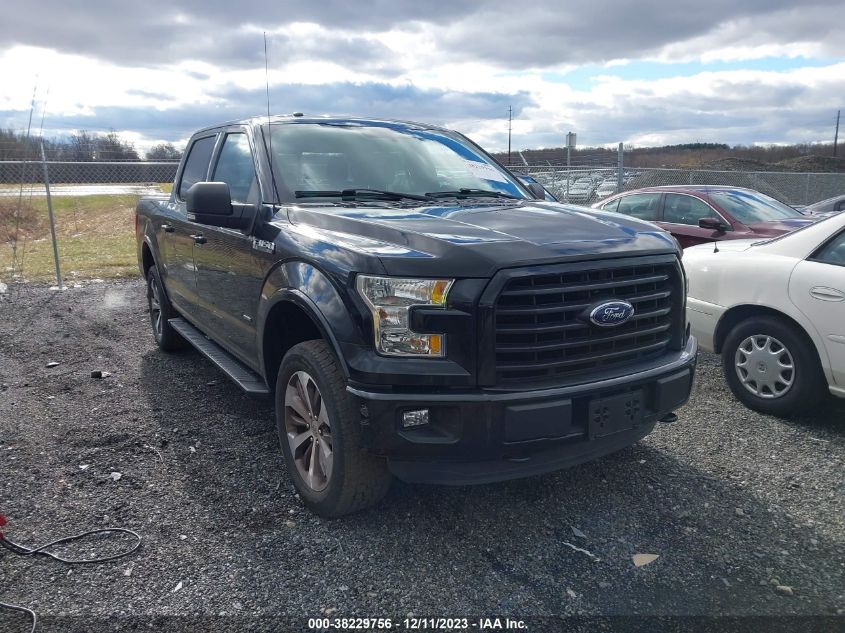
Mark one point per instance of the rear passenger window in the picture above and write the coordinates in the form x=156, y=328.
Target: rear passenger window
x=642, y=206
x=236, y=169
x=196, y=167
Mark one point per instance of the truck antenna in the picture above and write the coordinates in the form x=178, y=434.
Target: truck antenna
x=269, y=151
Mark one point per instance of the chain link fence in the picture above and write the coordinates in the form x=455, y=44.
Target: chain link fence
x=95, y=233
x=580, y=185
x=111, y=172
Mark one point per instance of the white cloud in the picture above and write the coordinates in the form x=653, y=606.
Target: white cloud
x=461, y=66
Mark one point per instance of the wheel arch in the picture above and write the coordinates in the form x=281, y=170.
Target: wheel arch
x=147, y=258
x=740, y=313
x=292, y=318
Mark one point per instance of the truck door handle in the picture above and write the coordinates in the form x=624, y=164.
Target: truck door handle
x=167, y=228
x=199, y=239
x=827, y=294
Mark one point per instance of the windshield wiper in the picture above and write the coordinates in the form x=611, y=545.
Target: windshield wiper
x=471, y=193
x=358, y=194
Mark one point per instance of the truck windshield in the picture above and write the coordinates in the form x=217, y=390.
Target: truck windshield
x=752, y=207
x=328, y=158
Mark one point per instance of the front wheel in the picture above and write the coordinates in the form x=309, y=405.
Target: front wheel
x=771, y=367
x=320, y=436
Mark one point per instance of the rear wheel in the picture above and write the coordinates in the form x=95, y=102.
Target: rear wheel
x=320, y=437
x=161, y=311
x=771, y=367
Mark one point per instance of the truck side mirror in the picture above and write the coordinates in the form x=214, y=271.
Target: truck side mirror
x=209, y=198
x=537, y=190
x=211, y=203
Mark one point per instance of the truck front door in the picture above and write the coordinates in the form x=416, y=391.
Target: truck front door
x=228, y=277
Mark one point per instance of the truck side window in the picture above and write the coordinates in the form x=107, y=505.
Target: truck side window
x=236, y=169
x=196, y=166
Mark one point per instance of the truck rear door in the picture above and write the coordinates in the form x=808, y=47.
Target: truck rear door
x=180, y=233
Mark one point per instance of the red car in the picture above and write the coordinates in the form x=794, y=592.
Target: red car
x=695, y=214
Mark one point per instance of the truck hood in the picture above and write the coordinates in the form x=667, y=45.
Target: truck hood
x=477, y=238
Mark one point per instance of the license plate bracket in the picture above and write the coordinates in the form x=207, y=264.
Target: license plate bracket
x=614, y=414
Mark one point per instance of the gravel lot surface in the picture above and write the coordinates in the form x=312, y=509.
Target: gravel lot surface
x=734, y=503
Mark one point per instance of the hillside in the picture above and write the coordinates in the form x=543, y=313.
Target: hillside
x=791, y=158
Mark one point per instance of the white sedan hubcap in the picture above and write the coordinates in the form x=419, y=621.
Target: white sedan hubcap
x=764, y=366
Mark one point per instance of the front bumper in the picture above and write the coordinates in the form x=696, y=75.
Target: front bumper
x=483, y=436
x=703, y=318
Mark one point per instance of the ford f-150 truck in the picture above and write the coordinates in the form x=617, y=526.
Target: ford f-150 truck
x=411, y=305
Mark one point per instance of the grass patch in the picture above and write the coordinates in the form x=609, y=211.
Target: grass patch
x=18, y=220
x=96, y=236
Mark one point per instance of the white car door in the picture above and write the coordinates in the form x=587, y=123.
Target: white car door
x=817, y=288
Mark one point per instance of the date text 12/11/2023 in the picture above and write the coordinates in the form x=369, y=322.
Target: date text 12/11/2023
x=417, y=624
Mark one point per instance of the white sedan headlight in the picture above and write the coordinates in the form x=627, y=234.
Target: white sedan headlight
x=390, y=300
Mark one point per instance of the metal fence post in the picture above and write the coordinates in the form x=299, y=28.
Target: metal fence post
x=52, y=217
x=568, y=171
x=620, y=169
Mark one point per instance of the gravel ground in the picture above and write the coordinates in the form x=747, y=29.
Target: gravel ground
x=734, y=503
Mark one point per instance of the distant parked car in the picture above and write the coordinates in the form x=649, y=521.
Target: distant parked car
x=580, y=191
x=831, y=206
x=530, y=180
x=606, y=188
x=696, y=214
x=775, y=311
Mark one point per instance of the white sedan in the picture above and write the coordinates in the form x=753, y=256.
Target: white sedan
x=775, y=310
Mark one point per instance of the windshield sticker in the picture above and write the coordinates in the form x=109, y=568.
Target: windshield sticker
x=485, y=171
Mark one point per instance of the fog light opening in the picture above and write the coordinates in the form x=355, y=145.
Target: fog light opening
x=417, y=417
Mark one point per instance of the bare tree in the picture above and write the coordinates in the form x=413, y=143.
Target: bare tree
x=164, y=151
x=111, y=147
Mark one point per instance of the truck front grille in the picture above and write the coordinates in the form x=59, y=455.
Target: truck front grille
x=542, y=335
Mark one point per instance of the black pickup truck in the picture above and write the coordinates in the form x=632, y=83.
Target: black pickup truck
x=414, y=309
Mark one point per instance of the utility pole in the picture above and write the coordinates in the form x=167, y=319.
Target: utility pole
x=836, y=135
x=510, y=119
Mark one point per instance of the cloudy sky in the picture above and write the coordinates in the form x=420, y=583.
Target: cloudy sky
x=647, y=73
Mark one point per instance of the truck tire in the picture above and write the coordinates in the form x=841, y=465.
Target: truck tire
x=772, y=367
x=320, y=435
x=167, y=339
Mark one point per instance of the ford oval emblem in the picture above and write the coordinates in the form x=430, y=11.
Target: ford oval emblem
x=611, y=313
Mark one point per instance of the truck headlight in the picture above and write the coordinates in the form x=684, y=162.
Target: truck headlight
x=390, y=300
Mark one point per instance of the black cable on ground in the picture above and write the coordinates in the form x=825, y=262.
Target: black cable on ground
x=32, y=615
x=20, y=550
